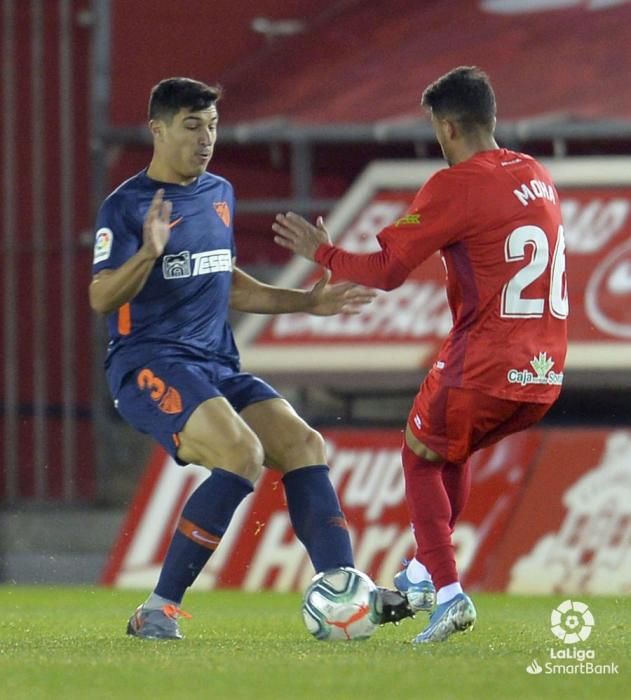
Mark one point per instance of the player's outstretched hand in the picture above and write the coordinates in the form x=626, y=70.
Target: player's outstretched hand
x=156, y=227
x=298, y=235
x=343, y=297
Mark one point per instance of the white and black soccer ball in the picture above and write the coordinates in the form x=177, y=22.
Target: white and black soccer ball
x=342, y=604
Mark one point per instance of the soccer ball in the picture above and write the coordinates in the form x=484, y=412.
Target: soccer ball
x=342, y=604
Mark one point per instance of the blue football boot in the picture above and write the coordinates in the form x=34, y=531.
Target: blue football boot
x=456, y=615
x=421, y=596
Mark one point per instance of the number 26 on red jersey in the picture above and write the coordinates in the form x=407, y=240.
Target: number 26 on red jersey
x=514, y=305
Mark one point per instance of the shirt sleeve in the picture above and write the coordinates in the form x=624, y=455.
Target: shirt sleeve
x=117, y=237
x=381, y=270
x=434, y=220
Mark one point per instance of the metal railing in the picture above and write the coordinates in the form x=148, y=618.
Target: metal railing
x=559, y=132
x=28, y=238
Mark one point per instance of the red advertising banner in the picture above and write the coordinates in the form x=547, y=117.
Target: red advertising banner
x=598, y=249
x=404, y=327
x=549, y=511
x=579, y=540
x=415, y=311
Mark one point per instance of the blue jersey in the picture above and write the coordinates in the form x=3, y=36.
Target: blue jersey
x=182, y=311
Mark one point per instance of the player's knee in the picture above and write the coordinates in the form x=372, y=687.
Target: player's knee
x=240, y=454
x=303, y=448
x=315, y=446
x=245, y=457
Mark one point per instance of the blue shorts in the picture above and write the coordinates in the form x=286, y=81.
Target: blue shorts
x=158, y=399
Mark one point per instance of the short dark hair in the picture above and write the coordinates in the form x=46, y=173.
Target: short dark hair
x=464, y=95
x=171, y=95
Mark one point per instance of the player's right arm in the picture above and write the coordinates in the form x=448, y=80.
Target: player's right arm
x=431, y=222
x=111, y=288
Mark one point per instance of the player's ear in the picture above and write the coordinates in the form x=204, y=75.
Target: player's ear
x=451, y=128
x=156, y=126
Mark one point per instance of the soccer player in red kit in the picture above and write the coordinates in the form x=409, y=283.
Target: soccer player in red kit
x=494, y=216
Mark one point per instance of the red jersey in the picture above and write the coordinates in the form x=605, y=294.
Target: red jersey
x=497, y=222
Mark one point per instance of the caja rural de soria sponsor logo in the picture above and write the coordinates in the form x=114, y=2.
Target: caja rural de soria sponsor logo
x=542, y=365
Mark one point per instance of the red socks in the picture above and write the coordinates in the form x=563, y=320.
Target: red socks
x=436, y=493
x=457, y=483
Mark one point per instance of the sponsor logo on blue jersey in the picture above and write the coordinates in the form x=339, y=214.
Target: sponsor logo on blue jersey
x=183, y=264
x=176, y=266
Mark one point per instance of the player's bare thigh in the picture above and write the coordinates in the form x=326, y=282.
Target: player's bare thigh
x=216, y=436
x=289, y=443
x=419, y=448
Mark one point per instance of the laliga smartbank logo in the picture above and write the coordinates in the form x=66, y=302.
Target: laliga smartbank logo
x=572, y=623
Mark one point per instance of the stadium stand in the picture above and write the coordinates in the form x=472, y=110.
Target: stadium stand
x=304, y=113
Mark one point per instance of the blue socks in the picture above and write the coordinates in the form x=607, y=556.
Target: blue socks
x=204, y=520
x=316, y=517
x=314, y=511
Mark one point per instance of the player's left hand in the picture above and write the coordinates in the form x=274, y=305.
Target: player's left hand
x=343, y=297
x=298, y=235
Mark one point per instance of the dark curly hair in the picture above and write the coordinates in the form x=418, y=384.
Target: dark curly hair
x=464, y=95
x=171, y=95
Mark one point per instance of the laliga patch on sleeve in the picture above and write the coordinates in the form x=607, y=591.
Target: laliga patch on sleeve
x=103, y=245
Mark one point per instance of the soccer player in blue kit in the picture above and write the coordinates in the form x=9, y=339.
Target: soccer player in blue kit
x=165, y=275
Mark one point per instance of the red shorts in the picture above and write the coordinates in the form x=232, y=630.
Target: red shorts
x=455, y=422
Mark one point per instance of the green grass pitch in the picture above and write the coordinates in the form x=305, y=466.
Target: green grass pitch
x=70, y=643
